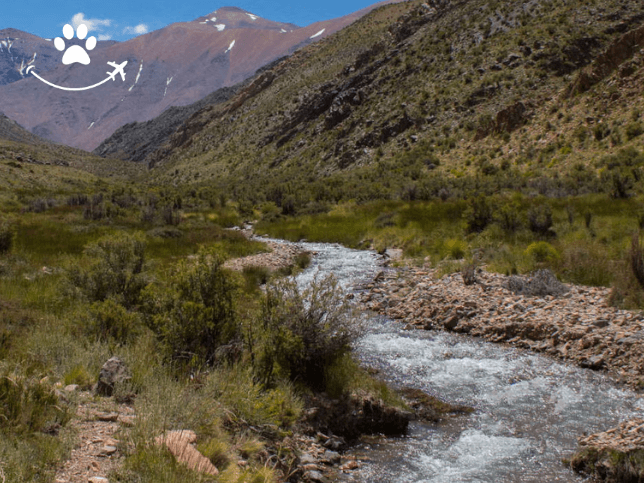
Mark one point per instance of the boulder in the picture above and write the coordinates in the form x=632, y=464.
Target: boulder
x=113, y=372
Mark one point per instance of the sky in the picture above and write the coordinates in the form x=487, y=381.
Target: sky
x=124, y=19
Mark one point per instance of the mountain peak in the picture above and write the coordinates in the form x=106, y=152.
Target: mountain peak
x=234, y=18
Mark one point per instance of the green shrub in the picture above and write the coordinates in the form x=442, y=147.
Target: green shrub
x=7, y=237
x=633, y=130
x=542, y=252
x=78, y=375
x=478, y=215
x=249, y=402
x=28, y=405
x=115, y=270
x=508, y=218
x=456, y=249
x=303, y=333
x=256, y=275
x=111, y=321
x=540, y=220
x=303, y=260
x=194, y=314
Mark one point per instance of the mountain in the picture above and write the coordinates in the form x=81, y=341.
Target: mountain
x=12, y=131
x=173, y=66
x=34, y=164
x=420, y=97
x=138, y=140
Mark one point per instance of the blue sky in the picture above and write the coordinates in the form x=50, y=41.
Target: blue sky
x=124, y=19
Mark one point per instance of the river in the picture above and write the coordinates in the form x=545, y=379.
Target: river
x=530, y=409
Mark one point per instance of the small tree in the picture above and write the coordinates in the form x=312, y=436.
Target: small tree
x=115, y=270
x=540, y=220
x=195, y=314
x=478, y=215
x=303, y=334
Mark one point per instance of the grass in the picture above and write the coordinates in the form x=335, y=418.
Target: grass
x=577, y=251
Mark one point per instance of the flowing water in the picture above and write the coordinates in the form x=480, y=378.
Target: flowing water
x=530, y=410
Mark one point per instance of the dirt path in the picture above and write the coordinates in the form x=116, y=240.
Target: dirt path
x=97, y=451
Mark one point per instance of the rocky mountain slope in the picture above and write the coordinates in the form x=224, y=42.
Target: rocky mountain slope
x=32, y=164
x=417, y=90
x=174, y=66
x=137, y=140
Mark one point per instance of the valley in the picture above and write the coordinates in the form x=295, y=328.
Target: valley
x=405, y=242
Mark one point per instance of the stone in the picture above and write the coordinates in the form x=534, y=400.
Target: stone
x=315, y=477
x=108, y=450
x=332, y=457
x=180, y=445
x=113, y=372
x=97, y=479
x=307, y=459
x=108, y=417
x=71, y=388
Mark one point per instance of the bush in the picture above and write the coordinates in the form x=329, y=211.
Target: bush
x=256, y=275
x=248, y=402
x=303, y=333
x=111, y=321
x=194, y=315
x=28, y=405
x=542, y=252
x=116, y=270
x=540, y=220
x=633, y=130
x=456, y=249
x=7, y=237
x=468, y=272
x=303, y=260
x=508, y=218
x=538, y=284
x=478, y=215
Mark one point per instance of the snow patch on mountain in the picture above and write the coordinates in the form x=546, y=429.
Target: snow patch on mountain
x=167, y=83
x=252, y=17
x=318, y=34
x=220, y=27
x=138, y=75
x=232, y=44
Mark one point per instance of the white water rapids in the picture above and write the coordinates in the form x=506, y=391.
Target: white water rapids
x=530, y=409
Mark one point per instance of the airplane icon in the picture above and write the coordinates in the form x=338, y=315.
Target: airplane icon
x=118, y=69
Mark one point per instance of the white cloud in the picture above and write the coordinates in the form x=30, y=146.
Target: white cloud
x=91, y=23
x=138, y=30
x=104, y=36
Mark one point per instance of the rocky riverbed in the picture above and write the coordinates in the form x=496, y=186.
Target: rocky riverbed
x=577, y=326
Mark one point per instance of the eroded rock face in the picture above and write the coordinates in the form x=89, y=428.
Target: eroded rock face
x=616, y=53
x=113, y=372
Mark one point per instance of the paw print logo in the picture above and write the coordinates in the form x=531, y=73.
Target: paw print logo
x=75, y=53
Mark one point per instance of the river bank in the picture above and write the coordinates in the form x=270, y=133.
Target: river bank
x=576, y=326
